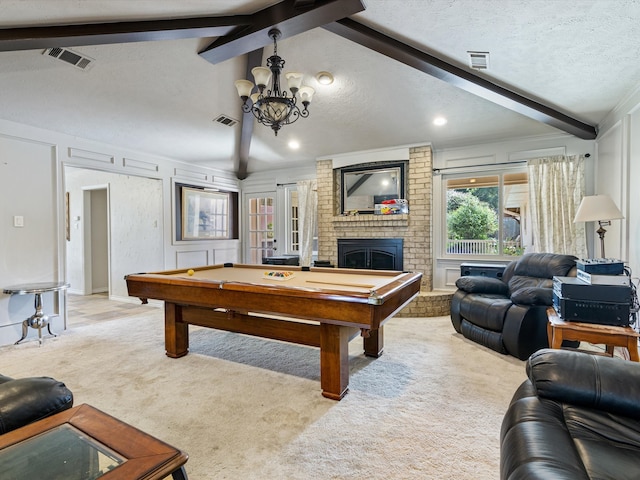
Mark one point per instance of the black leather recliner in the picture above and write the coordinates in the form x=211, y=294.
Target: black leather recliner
x=508, y=314
x=26, y=400
x=577, y=417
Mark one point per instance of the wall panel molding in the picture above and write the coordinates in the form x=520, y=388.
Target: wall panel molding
x=79, y=154
x=140, y=165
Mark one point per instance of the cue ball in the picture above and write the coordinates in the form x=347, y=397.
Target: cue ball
x=190, y=272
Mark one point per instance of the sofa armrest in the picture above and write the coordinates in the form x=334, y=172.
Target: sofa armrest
x=533, y=296
x=593, y=381
x=26, y=400
x=471, y=284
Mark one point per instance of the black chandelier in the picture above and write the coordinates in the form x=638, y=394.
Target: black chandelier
x=270, y=106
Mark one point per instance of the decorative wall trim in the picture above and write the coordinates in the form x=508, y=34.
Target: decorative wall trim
x=78, y=153
x=140, y=165
x=539, y=153
x=192, y=258
x=185, y=173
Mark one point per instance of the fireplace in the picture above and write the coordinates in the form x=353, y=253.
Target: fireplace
x=370, y=253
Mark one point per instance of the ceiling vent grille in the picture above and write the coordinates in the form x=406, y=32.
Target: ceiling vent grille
x=479, y=60
x=69, y=56
x=224, y=120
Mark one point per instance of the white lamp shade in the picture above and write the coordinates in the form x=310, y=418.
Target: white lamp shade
x=306, y=93
x=596, y=208
x=262, y=75
x=244, y=87
x=254, y=98
x=294, y=80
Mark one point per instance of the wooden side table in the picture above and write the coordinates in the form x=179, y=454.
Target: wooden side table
x=608, y=335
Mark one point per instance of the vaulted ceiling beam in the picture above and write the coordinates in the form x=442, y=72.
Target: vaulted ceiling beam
x=32, y=38
x=291, y=17
x=458, y=77
x=254, y=59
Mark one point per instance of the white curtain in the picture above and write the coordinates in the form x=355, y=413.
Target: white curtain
x=307, y=208
x=556, y=187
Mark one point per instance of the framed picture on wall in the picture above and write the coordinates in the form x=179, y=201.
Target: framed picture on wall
x=205, y=214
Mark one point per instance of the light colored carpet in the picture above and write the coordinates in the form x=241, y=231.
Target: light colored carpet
x=245, y=408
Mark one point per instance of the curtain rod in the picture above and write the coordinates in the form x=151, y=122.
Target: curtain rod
x=438, y=170
x=285, y=184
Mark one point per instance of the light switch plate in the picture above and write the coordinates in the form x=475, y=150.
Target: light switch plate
x=18, y=221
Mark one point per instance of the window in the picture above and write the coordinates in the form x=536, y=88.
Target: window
x=205, y=214
x=486, y=214
x=294, y=234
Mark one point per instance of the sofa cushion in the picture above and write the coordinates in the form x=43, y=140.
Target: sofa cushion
x=586, y=380
x=544, y=265
x=483, y=336
x=485, y=310
x=532, y=296
x=471, y=284
x=27, y=400
x=609, y=444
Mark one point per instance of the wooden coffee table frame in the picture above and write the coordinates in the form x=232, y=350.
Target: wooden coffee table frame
x=608, y=335
x=147, y=458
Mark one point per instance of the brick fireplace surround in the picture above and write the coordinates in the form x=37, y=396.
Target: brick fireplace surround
x=415, y=228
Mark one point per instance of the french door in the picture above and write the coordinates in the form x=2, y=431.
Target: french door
x=260, y=217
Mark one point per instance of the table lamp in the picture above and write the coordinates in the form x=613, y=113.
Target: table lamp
x=601, y=209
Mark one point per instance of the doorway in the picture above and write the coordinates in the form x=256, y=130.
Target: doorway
x=115, y=228
x=96, y=239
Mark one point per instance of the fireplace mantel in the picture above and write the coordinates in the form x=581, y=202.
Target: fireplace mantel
x=365, y=220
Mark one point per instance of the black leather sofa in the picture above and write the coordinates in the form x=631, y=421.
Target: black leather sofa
x=508, y=314
x=26, y=400
x=577, y=417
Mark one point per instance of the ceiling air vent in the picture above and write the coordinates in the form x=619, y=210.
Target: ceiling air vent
x=69, y=56
x=479, y=60
x=224, y=120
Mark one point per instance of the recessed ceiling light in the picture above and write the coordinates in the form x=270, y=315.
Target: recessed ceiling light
x=439, y=121
x=294, y=144
x=324, y=78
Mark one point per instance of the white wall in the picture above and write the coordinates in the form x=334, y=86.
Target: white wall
x=28, y=254
x=31, y=185
x=618, y=146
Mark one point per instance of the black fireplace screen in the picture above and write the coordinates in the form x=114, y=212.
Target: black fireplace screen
x=370, y=253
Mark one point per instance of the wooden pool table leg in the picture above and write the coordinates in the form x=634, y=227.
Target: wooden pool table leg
x=374, y=343
x=334, y=360
x=176, y=332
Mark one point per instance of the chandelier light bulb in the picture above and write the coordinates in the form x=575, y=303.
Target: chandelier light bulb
x=262, y=76
x=306, y=93
x=294, y=80
x=244, y=88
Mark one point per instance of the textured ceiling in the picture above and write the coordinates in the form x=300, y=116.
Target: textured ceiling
x=579, y=57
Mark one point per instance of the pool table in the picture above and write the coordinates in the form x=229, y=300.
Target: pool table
x=320, y=307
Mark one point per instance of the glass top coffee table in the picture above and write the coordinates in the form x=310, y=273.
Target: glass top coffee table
x=84, y=443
